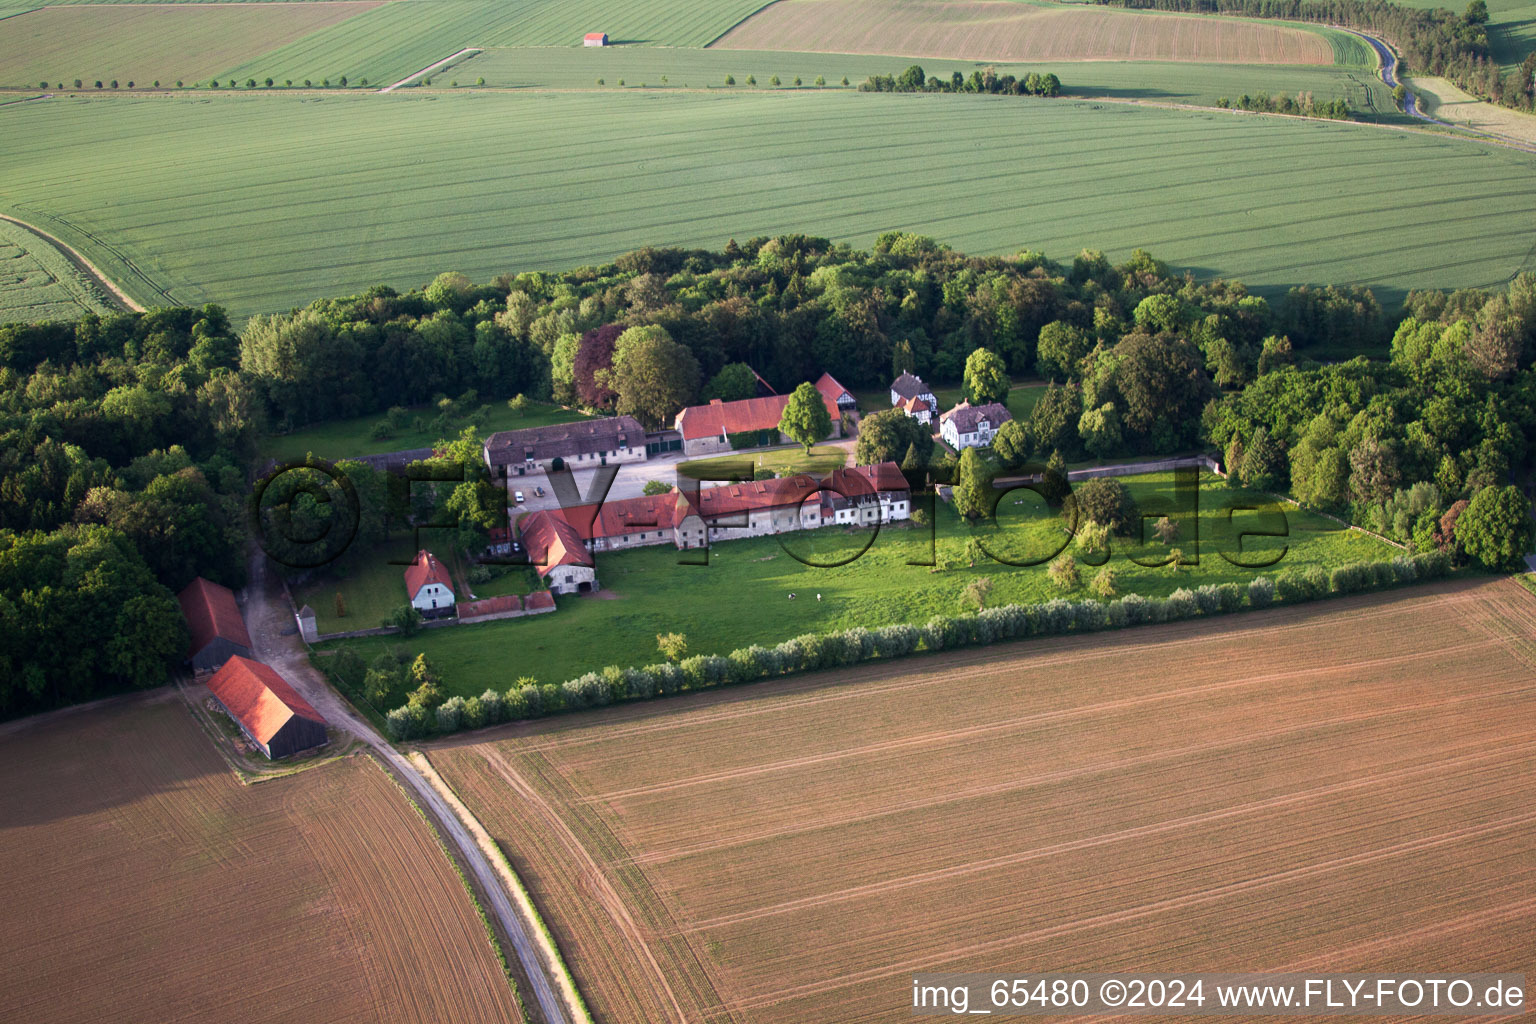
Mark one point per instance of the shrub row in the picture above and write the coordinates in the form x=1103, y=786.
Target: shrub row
x=814, y=651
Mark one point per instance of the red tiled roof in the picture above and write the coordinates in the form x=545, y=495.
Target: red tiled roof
x=595, y=35
x=211, y=612
x=883, y=476
x=426, y=569
x=830, y=389
x=621, y=517
x=738, y=417
x=538, y=600
x=259, y=698
x=914, y=404
x=753, y=496
x=490, y=606
x=551, y=540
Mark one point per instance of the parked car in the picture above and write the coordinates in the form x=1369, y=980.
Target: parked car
x=517, y=496
x=538, y=492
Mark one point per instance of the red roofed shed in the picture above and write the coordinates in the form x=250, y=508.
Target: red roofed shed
x=266, y=708
x=213, y=617
x=595, y=39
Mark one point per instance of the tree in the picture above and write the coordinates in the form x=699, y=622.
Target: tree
x=1496, y=528
x=404, y=618
x=655, y=487
x=1167, y=530
x=1011, y=443
x=1103, y=584
x=341, y=606
x=1063, y=571
x=1100, y=430
x=734, y=382
x=973, y=486
x=1263, y=461
x=673, y=646
x=1164, y=387
x=1061, y=349
x=986, y=378
x=977, y=591
x=653, y=376
x=1107, y=501
x=888, y=436
x=1477, y=13
x=805, y=418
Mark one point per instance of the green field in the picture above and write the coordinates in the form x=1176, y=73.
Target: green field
x=339, y=439
x=392, y=41
x=488, y=183
x=38, y=283
x=741, y=597
x=1153, y=81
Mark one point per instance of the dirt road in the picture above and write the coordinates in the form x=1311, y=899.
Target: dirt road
x=267, y=617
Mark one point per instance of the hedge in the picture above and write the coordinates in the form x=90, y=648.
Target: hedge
x=813, y=651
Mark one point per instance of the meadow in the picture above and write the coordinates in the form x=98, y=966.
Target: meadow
x=145, y=882
x=1008, y=30
x=1330, y=787
x=210, y=213
x=533, y=68
x=742, y=596
x=146, y=43
x=38, y=283
x=346, y=438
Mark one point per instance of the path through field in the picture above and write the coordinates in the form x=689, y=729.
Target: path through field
x=267, y=617
x=80, y=263
x=1339, y=786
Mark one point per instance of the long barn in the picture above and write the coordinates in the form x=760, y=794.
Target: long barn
x=269, y=711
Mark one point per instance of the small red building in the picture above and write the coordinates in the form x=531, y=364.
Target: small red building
x=595, y=39
x=269, y=711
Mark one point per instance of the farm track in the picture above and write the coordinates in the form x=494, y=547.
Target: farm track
x=267, y=617
x=408, y=79
x=814, y=842
x=83, y=265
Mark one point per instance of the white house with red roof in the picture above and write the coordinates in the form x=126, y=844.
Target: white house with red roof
x=558, y=552
x=972, y=426
x=908, y=387
x=428, y=586
x=836, y=394
x=868, y=495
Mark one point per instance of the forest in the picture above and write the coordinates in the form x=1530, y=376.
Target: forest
x=128, y=442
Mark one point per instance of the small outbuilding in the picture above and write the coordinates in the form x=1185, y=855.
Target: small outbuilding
x=595, y=39
x=214, y=620
x=269, y=711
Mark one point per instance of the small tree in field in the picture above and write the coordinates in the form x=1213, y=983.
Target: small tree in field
x=774, y=81
x=673, y=646
x=77, y=83
x=821, y=80
x=1063, y=571
x=269, y=83
x=341, y=606
x=730, y=79
x=845, y=79
x=751, y=79
x=805, y=418
x=1103, y=584
x=1167, y=530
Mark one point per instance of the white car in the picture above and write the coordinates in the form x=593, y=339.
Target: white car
x=517, y=496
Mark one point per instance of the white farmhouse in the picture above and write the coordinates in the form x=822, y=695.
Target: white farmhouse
x=972, y=426
x=909, y=386
x=428, y=586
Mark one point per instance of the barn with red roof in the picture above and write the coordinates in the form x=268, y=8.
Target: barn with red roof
x=708, y=428
x=214, y=620
x=558, y=552
x=269, y=711
x=428, y=585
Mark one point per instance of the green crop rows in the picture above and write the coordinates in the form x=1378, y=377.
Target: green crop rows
x=38, y=283
x=265, y=201
x=392, y=41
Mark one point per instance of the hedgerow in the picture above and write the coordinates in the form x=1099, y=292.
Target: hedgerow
x=815, y=651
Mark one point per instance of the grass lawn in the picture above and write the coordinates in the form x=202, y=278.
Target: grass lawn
x=372, y=589
x=783, y=461
x=742, y=596
x=342, y=438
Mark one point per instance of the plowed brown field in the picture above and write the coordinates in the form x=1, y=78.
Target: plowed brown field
x=144, y=883
x=1005, y=30
x=1341, y=786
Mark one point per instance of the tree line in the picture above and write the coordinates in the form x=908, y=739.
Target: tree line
x=914, y=79
x=1303, y=105
x=1437, y=41
x=123, y=446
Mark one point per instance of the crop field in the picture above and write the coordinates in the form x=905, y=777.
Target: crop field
x=151, y=42
x=560, y=180
x=1152, y=81
x=741, y=596
x=320, y=896
x=408, y=35
x=1007, y=30
x=1439, y=98
x=1344, y=787
x=38, y=283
